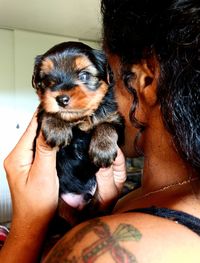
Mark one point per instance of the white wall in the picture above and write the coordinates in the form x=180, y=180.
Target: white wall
x=7, y=112
x=18, y=100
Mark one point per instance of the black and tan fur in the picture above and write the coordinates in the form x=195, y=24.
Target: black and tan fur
x=77, y=113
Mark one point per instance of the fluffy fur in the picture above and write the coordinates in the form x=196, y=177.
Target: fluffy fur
x=78, y=114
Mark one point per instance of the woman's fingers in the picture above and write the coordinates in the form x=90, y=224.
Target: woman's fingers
x=32, y=175
x=20, y=158
x=119, y=170
x=107, y=190
x=26, y=141
x=110, y=180
x=45, y=160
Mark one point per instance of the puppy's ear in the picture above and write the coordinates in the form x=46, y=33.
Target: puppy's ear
x=36, y=71
x=101, y=63
x=100, y=55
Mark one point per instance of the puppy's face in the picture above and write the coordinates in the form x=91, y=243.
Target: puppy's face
x=70, y=80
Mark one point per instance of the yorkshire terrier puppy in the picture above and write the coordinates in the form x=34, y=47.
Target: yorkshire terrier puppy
x=78, y=114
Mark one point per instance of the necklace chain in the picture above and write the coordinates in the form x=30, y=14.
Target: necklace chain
x=168, y=187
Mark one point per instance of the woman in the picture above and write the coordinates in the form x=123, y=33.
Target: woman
x=153, y=50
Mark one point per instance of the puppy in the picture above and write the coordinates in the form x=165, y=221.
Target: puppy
x=78, y=114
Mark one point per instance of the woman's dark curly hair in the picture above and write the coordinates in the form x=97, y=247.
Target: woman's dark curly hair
x=169, y=30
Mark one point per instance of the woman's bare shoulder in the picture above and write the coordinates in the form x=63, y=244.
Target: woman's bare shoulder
x=127, y=237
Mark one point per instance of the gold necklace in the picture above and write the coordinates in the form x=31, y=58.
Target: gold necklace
x=190, y=180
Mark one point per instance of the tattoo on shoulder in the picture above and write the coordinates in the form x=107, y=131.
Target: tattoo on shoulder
x=106, y=242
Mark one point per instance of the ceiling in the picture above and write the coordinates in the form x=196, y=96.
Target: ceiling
x=74, y=18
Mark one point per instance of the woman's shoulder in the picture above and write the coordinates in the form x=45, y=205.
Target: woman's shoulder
x=127, y=237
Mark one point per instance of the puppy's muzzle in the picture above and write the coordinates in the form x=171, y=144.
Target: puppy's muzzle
x=63, y=100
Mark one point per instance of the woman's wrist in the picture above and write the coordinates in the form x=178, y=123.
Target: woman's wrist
x=24, y=242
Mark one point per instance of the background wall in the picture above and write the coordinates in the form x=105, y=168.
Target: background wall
x=18, y=100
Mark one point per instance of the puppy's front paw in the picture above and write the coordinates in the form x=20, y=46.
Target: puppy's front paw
x=103, y=153
x=56, y=132
x=103, y=146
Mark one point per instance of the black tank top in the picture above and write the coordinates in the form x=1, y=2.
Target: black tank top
x=180, y=217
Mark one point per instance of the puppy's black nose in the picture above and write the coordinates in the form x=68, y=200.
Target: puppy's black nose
x=62, y=100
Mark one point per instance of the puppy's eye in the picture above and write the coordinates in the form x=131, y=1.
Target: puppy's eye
x=84, y=76
x=39, y=84
x=45, y=83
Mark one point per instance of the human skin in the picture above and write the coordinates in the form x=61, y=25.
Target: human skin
x=104, y=237
x=161, y=157
x=133, y=236
x=34, y=189
x=34, y=192
x=167, y=181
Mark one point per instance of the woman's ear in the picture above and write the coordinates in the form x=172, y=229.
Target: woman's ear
x=147, y=73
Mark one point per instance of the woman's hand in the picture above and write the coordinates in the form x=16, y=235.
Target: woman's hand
x=110, y=181
x=34, y=188
x=32, y=180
